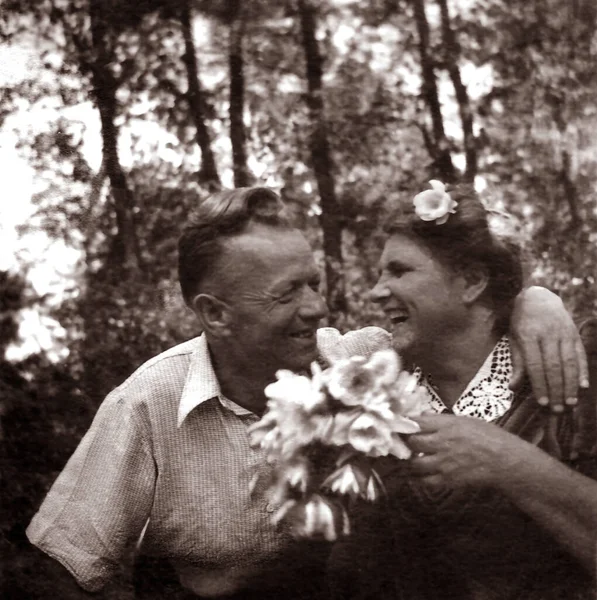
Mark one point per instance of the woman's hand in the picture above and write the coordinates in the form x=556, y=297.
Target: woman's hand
x=463, y=451
x=546, y=344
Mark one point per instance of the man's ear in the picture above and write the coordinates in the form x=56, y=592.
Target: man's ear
x=214, y=314
x=475, y=282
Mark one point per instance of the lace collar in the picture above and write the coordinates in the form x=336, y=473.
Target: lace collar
x=487, y=396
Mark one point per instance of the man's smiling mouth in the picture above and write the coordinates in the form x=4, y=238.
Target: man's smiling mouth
x=306, y=334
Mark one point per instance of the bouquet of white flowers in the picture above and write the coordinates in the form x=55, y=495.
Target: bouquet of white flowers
x=323, y=433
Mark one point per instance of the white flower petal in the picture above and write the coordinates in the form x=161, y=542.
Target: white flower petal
x=285, y=374
x=435, y=204
x=310, y=518
x=329, y=530
x=385, y=364
x=399, y=449
x=283, y=511
x=343, y=481
x=370, y=435
x=345, y=523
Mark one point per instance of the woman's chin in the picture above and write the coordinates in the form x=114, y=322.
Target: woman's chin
x=405, y=347
x=403, y=339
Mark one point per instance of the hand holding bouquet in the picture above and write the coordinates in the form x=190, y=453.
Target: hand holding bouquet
x=323, y=433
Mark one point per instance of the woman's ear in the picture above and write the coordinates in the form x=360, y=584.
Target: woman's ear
x=213, y=313
x=475, y=282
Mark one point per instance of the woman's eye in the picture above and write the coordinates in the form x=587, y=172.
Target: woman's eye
x=397, y=271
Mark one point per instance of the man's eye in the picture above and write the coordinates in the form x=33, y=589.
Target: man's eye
x=315, y=285
x=286, y=297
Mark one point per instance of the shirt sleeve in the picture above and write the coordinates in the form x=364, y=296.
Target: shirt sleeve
x=101, y=501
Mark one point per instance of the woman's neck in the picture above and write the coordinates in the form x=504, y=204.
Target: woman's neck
x=453, y=363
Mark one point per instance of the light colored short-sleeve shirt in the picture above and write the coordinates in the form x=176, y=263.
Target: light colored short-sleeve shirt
x=168, y=456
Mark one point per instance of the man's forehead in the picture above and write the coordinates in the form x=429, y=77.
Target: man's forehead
x=267, y=253
x=260, y=241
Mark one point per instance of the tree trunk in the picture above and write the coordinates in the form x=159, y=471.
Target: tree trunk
x=571, y=195
x=126, y=255
x=237, y=92
x=451, y=53
x=443, y=168
x=208, y=173
x=330, y=218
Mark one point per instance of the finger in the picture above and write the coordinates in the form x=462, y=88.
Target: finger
x=583, y=364
x=554, y=373
x=436, y=481
x=430, y=422
x=426, y=443
x=569, y=362
x=534, y=367
x=517, y=366
x=424, y=465
x=426, y=422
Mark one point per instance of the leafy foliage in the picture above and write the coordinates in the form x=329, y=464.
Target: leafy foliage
x=393, y=114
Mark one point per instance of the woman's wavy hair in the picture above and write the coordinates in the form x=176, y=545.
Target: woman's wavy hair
x=220, y=216
x=473, y=237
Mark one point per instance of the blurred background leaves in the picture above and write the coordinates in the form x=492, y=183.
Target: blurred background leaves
x=347, y=108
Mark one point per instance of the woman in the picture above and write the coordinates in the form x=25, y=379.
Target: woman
x=493, y=506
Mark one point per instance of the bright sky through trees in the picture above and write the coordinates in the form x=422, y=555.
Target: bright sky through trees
x=383, y=53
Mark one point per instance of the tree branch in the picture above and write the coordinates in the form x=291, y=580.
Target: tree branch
x=126, y=248
x=209, y=172
x=451, y=53
x=237, y=91
x=331, y=217
x=441, y=153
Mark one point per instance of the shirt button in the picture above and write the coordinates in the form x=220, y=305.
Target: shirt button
x=270, y=508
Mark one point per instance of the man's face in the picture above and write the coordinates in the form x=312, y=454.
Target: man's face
x=420, y=296
x=272, y=290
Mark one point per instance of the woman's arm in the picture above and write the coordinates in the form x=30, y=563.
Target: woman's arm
x=462, y=451
x=559, y=499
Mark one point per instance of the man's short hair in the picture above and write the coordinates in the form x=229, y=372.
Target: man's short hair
x=220, y=216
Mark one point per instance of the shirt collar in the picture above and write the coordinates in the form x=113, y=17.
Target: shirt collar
x=487, y=396
x=201, y=384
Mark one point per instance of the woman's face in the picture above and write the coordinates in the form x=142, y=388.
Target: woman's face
x=421, y=297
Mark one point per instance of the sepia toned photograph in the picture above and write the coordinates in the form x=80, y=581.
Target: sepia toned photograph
x=298, y=299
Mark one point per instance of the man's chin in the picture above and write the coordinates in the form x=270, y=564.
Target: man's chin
x=301, y=363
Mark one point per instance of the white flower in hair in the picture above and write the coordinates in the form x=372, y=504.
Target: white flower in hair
x=434, y=204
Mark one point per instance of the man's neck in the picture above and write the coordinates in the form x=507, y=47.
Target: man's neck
x=243, y=385
x=455, y=360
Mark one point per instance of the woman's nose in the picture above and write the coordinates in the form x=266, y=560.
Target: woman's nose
x=380, y=292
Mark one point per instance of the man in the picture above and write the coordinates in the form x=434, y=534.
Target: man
x=167, y=457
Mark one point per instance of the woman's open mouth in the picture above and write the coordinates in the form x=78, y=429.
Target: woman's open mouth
x=398, y=319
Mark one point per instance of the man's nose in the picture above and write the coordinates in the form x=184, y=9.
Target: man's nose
x=380, y=292
x=313, y=307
